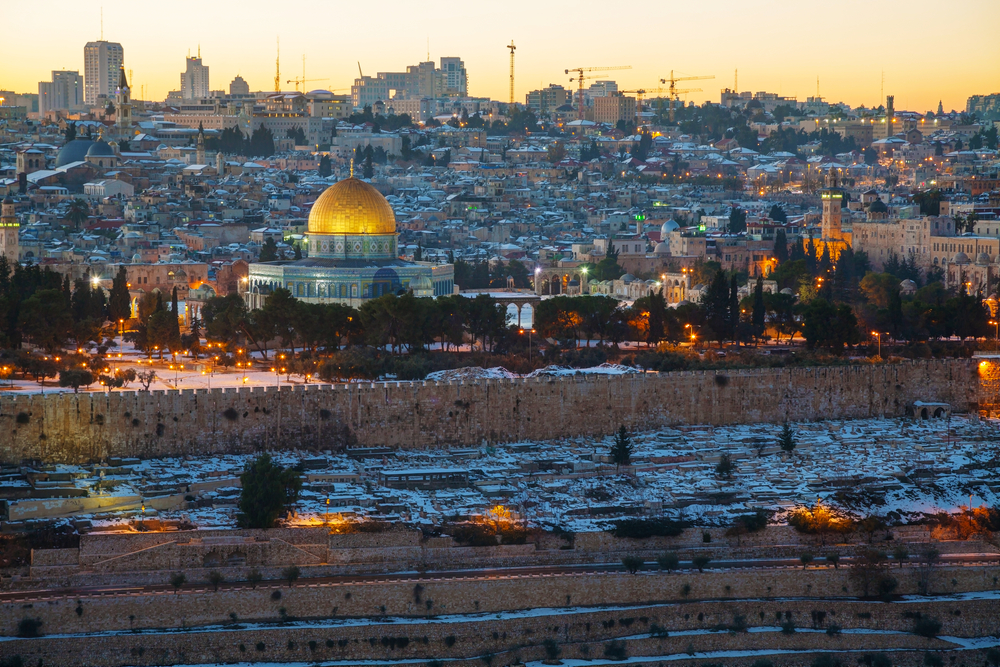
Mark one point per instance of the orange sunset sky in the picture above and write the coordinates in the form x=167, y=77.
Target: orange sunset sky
x=927, y=50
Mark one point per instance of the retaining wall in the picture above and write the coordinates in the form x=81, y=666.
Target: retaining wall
x=88, y=427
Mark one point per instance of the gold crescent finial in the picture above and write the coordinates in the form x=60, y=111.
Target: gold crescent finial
x=352, y=167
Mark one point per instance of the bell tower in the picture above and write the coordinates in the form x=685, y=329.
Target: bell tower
x=10, y=232
x=831, y=196
x=123, y=106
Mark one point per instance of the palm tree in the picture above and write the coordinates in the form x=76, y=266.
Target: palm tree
x=78, y=212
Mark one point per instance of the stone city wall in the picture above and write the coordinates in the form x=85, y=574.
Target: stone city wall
x=93, y=426
x=203, y=606
x=479, y=634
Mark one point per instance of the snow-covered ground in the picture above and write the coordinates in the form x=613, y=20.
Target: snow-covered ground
x=868, y=466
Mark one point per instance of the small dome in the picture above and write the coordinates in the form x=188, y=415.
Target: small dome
x=100, y=148
x=628, y=278
x=73, y=151
x=961, y=258
x=982, y=258
x=421, y=282
x=788, y=291
x=661, y=248
x=668, y=227
x=908, y=286
x=878, y=206
x=137, y=258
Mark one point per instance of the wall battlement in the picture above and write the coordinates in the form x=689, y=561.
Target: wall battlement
x=92, y=426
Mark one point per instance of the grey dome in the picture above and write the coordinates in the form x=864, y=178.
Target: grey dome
x=667, y=227
x=787, y=290
x=74, y=151
x=101, y=148
x=878, y=206
x=662, y=248
x=982, y=258
x=908, y=286
x=628, y=278
x=961, y=258
x=421, y=282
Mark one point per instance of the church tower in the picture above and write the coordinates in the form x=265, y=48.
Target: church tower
x=831, y=196
x=890, y=114
x=10, y=241
x=123, y=106
x=200, y=150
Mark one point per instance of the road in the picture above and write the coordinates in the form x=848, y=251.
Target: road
x=590, y=569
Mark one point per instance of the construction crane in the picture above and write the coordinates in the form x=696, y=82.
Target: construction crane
x=297, y=81
x=580, y=77
x=675, y=93
x=512, y=48
x=639, y=94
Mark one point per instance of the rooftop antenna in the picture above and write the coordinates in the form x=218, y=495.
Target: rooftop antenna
x=881, y=92
x=102, y=23
x=199, y=51
x=360, y=73
x=817, y=87
x=736, y=81
x=428, y=49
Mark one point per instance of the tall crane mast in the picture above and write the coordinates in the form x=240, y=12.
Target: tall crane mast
x=639, y=94
x=277, y=69
x=675, y=93
x=580, y=77
x=512, y=48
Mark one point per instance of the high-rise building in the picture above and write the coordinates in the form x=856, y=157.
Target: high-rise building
x=545, y=101
x=194, y=80
x=64, y=92
x=614, y=108
x=239, y=87
x=456, y=79
x=101, y=62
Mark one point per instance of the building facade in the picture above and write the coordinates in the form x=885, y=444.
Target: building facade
x=63, y=93
x=101, y=62
x=194, y=79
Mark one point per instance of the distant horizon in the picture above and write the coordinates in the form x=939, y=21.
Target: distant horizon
x=789, y=48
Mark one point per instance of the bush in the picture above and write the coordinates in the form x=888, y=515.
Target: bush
x=806, y=559
x=254, y=577
x=215, y=578
x=927, y=627
x=834, y=559
x=669, y=561
x=935, y=659
x=701, y=562
x=685, y=590
x=657, y=632
x=291, y=574
x=876, y=660
x=825, y=660
x=615, y=651
x=641, y=529
x=633, y=564
x=788, y=628
x=267, y=490
x=552, y=650
x=29, y=627
x=177, y=580
x=833, y=630
x=276, y=595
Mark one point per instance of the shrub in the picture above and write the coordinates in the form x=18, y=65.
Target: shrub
x=641, y=529
x=22, y=418
x=935, y=659
x=725, y=467
x=231, y=414
x=685, y=590
x=825, y=660
x=706, y=537
x=276, y=595
x=633, y=563
x=312, y=644
x=926, y=626
x=834, y=629
x=788, y=628
x=876, y=660
x=215, y=578
x=29, y=627
x=806, y=559
x=552, y=650
x=177, y=580
x=701, y=562
x=449, y=641
x=668, y=561
x=260, y=646
x=254, y=577
x=267, y=490
x=901, y=554
x=833, y=558
x=291, y=574
x=657, y=632
x=615, y=651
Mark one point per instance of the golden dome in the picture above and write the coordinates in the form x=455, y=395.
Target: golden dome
x=351, y=207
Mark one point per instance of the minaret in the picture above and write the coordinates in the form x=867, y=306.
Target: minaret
x=890, y=113
x=220, y=164
x=940, y=108
x=200, y=156
x=10, y=241
x=831, y=197
x=123, y=106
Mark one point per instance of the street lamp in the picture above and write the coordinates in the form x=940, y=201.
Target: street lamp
x=878, y=337
x=996, y=338
x=530, y=331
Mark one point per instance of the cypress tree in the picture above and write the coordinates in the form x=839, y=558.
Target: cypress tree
x=758, y=307
x=120, y=303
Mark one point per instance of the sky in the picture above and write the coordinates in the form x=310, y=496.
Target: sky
x=926, y=50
